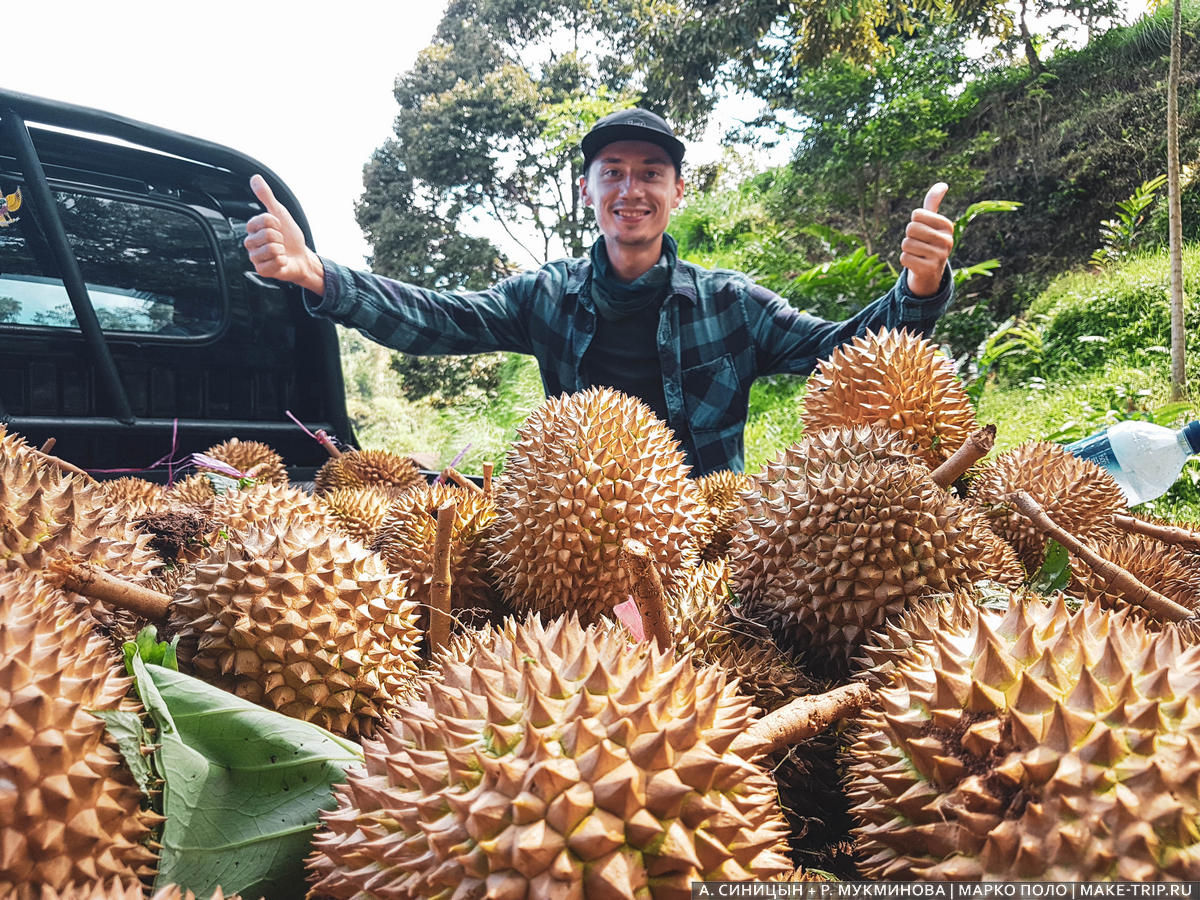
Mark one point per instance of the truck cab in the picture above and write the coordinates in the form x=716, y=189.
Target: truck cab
x=133, y=329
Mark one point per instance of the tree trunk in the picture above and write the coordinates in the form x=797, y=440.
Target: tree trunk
x=1035, y=64
x=1178, y=335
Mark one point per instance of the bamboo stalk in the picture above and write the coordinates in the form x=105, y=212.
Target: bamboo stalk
x=324, y=440
x=804, y=718
x=95, y=583
x=647, y=590
x=439, y=589
x=488, y=468
x=1168, y=534
x=62, y=465
x=1132, y=590
x=461, y=480
x=974, y=448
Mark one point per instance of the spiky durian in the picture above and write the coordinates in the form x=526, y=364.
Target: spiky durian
x=358, y=511
x=898, y=379
x=836, y=446
x=550, y=761
x=837, y=551
x=111, y=890
x=135, y=491
x=588, y=471
x=251, y=458
x=1077, y=494
x=69, y=809
x=1169, y=570
x=304, y=621
x=386, y=471
x=721, y=508
x=262, y=504
x=406, y=542
x=1039, y=744
x=196, y=490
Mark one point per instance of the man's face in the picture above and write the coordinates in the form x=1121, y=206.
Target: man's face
x=633, y=187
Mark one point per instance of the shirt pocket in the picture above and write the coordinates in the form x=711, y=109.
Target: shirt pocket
x=712, y=394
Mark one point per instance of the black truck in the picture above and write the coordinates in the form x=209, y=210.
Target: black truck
x=132, y=327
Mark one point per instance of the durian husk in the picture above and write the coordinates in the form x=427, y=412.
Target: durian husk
x=264, y=504
x=113, y=890
x=588, y=471
x=70, y=812
x=551, y=761
x=358, y=511
x=195, y=490
x=1078, y=495
x=386, y=471
x=137, y=492
x=897, y=379
x=302, y=620
x=406, y=540
x=253, y=458
x=1037, y=744
x=721, y=508
x=835, y=552
x=1170, y=571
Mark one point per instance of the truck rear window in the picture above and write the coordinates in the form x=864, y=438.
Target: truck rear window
x=149, y=269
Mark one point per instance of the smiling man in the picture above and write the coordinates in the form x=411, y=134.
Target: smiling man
x=689, y=341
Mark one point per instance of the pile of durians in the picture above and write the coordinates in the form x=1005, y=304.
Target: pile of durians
x=833, y=667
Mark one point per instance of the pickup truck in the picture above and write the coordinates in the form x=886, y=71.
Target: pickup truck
x=132, y=326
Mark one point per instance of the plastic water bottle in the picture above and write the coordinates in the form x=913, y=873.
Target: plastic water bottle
x=1144, y=458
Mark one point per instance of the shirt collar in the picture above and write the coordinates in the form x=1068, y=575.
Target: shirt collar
x=683, y=280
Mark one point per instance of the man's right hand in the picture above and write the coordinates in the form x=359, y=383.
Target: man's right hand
x=276, y=244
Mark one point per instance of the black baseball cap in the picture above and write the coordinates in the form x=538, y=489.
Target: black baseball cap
x=632, y=125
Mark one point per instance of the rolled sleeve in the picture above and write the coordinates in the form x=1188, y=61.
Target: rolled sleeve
x=924, y=311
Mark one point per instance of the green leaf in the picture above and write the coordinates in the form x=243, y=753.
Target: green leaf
x=1168, y=413
x=1055, y=571
x=151, y=650
x=127, y=730
x=243, y=789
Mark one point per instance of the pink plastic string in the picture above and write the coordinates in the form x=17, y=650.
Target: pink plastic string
x=169, y=460
x=628, y=615
x=288, y=412
x=441, y=479
x=209, y=462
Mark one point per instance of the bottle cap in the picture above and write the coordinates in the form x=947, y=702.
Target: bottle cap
x=1191, y=431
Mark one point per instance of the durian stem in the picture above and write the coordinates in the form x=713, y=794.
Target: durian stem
x=1115, y=577
x=86, y=579
x=49, y=444
x=647, y=590
x=488, y=468
x=439, y=590
x=324, y=441
x=804, y=718
x=62, y=465
x=461, y=480
x=1168, y=534
x=974, y=448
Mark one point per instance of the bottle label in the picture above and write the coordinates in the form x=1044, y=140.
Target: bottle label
x=1097, y=449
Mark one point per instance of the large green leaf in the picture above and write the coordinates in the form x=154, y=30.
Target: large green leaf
x=244, y=787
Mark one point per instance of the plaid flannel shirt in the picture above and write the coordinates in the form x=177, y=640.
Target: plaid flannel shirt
x=717, y=332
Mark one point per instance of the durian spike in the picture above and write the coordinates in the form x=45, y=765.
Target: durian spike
x=1116, y=577
x=61, y=464
x=647, y=590
x=488, y=468
x=49, y=445
x=1168, y=534
x=974, y=448
x=439, y=588
x=93, y=582
x=461, y=480
x=324, y=441
x=804, y=718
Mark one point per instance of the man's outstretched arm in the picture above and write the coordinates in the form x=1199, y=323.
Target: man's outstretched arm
x=276, y=244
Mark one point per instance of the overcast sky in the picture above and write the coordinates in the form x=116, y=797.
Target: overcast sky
x=303, y=87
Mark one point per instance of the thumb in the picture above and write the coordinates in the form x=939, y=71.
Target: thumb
x=934, y=196
x=266, y=196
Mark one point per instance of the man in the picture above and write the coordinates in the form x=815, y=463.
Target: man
x=688, y=341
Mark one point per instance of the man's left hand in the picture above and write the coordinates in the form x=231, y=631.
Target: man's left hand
x=927, y=243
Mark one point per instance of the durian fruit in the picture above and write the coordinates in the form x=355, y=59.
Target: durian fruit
x=897, y=379
x=1077, y=494
x=359, y=511
x=301, y=620
x=1170, y=571
x=381, y=469
x=838, y=445
x=70, y=811
x=252, y=458
x=588, y=471
x=134, y=496
x=834, y=552
x=195, y=490
x=261, y=504
x=721, y=508
x=406, y=542
x=1035, y=745
x=551, y=761
x=112, y=890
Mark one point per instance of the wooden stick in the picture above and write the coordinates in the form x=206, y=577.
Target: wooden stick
x=647, y=590
x=90, y=581
x=1132, y=590
x=803, y=718
x=461, y=480
x=439, y=590
x=49, y=445
x=1168, y=534
x=974, y=448
x=62, y=465
x=324, y=440
x=488, y=468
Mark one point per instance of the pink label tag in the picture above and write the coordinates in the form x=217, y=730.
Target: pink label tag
x=628, y=615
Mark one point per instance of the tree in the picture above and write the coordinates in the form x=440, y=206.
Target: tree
x=1175, y=214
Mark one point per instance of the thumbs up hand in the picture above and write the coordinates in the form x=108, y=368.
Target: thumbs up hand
x=927, y=243
x=276, y=245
